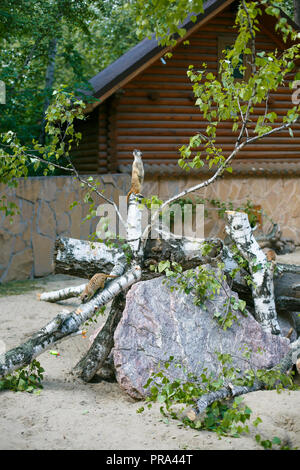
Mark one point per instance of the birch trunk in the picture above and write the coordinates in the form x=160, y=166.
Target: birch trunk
x=91, y=257
x=102, y=345
x=261, y=270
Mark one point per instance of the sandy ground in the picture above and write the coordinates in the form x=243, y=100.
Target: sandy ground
x=68, y=415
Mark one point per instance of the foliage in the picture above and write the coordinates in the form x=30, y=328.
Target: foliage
x=248, y=207
x=268, y=444
x=222, y=207
x=166, y=17
x=16, y=159
x=82, y=36
x=224, y=418
x=26, y=379
x=95, y=317
x=31, y=32
x=222, y=98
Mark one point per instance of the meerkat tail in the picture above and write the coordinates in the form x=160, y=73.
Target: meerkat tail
x=130, y=192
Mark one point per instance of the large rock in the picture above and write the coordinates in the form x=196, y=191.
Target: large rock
x=158, y=323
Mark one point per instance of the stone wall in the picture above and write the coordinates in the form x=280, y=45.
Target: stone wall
x=26, y=244
x=278, y=197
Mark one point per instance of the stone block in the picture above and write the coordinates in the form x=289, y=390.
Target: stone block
x=20, y=266
x=63, y=222
x=158, y=323
x=46, y=224
x=43, y=248
x=7, y=242
x=48, y=188
x=29, y=188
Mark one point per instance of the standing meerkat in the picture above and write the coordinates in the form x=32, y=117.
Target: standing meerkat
x=137, y=176
x=95, y=283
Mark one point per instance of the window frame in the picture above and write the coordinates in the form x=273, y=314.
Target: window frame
x=228, y=40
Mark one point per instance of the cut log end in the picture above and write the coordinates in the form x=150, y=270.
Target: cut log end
x=231, y=212
x=191, y=415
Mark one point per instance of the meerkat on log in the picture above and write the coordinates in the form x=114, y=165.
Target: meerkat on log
x=270, y=254
x=137, y=176
x=95, y=283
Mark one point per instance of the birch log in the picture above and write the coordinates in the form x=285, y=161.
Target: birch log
x=64, y=324
x=92, y=257
x=189, y=255
x=183, y=251
x=62, y=294
x=118, y=270
x=239, y=230
x=102, y=345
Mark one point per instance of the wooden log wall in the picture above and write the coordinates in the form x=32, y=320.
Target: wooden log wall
x=156, y=113
x=90, y=157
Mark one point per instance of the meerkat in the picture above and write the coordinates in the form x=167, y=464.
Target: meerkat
x=270, y=254
x=137, y=176
x=95, y=283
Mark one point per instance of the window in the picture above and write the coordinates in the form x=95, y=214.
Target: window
x=225, y=42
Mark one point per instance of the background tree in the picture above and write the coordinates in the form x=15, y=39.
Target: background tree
x=44, y=44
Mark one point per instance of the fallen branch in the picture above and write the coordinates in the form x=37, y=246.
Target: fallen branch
x=276, y=241
x=231, y=391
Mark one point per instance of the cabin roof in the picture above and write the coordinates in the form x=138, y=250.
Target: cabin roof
x=132, y=62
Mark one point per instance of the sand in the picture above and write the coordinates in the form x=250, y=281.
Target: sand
x=71, y=415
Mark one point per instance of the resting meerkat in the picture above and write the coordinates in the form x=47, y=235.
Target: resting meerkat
x=271, y=255
x=95, y=283
x=137, y=176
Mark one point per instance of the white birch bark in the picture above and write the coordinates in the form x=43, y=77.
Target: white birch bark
x=134, y=227
x=239, y=230
x=85, y=253
x=62, y=294
x=103, y=342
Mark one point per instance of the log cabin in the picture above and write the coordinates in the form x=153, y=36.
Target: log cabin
x=145, y=100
